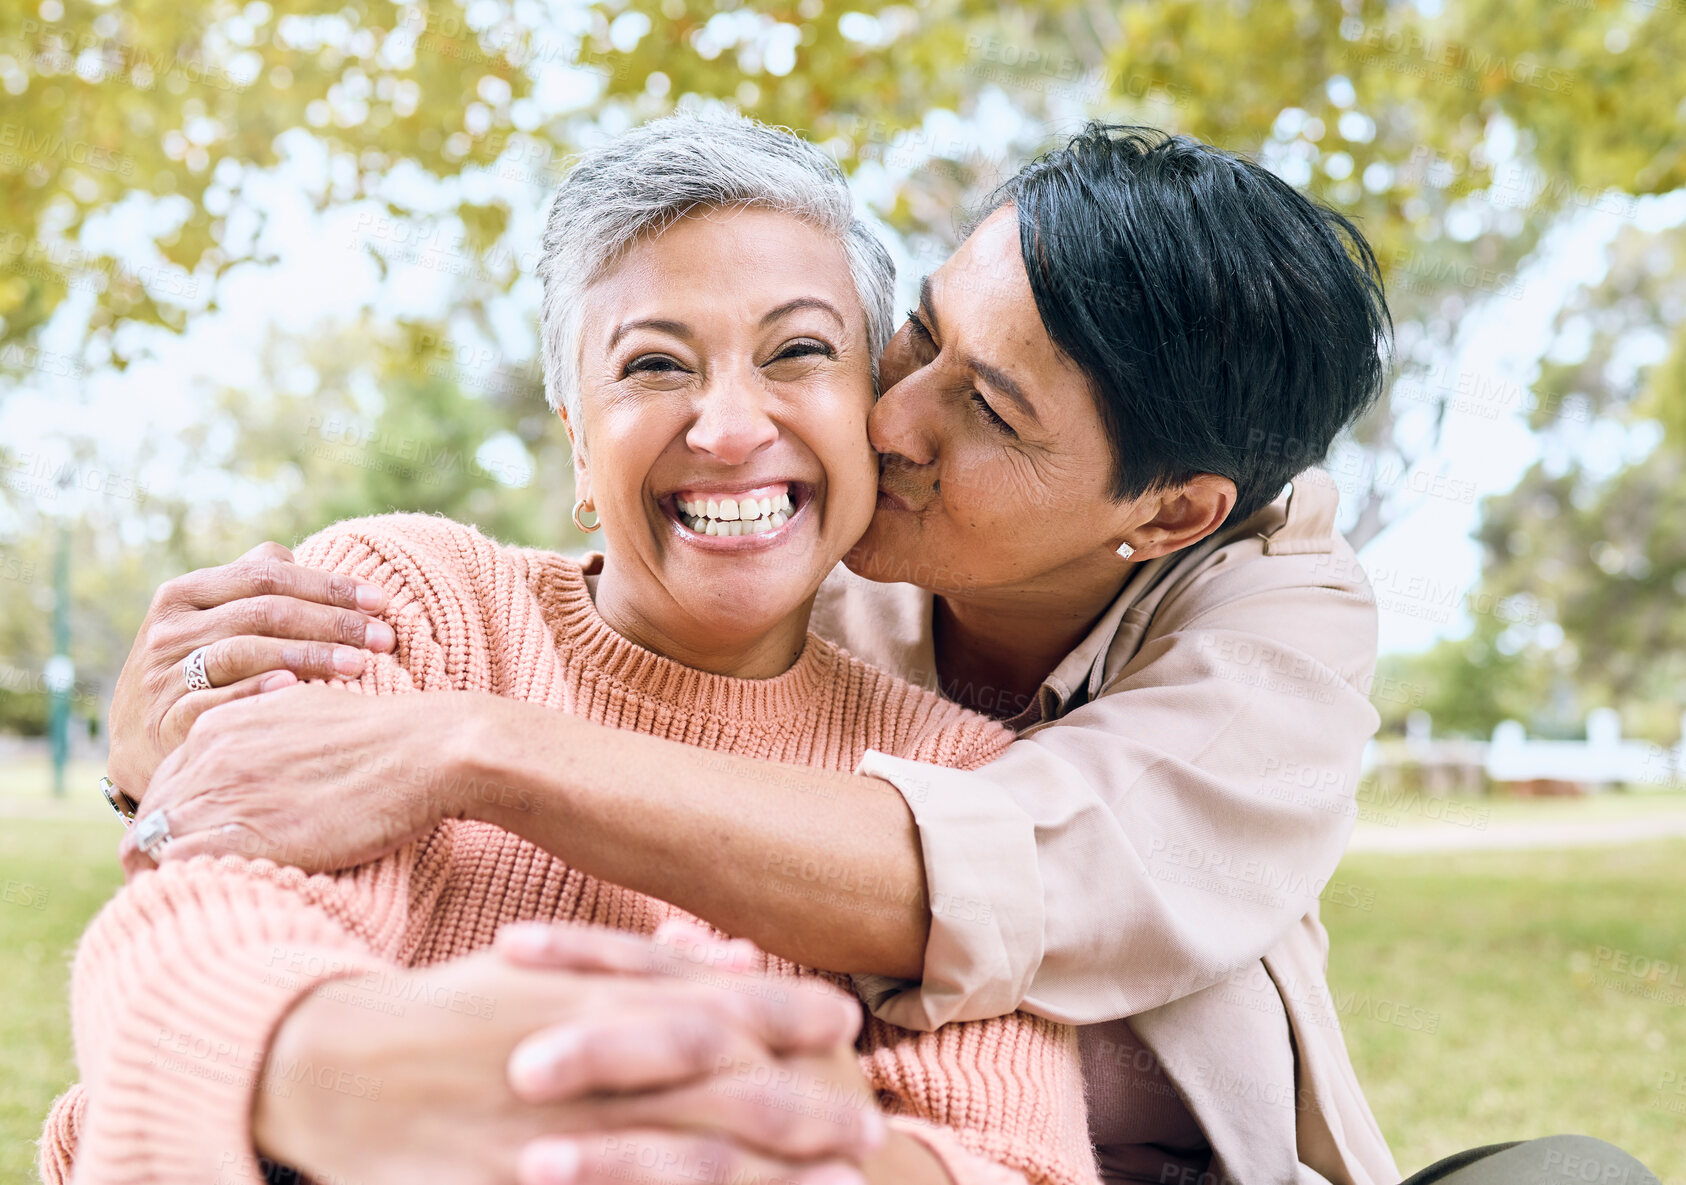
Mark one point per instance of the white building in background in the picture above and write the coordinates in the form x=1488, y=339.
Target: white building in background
x=1602, y=761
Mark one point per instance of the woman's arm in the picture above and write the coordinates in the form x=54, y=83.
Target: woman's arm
x=822, y=868
x=1249, y=679
x=1194, y=806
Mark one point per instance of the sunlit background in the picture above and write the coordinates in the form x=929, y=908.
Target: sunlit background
x=262, y=268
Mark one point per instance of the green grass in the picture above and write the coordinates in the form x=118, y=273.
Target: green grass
x=1508, y=957
x=1538, y=1025
x=26, y=788
x=54, y=875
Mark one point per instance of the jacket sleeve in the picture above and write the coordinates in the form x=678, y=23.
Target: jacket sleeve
x=181, y=981
x=1172, y=827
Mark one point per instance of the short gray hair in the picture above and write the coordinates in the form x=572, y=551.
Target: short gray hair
x=644, y=180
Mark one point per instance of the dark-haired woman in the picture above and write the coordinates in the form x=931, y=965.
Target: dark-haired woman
x=1099, y=522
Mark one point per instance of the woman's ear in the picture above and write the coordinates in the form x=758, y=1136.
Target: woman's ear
x=582, y=475
x=1183, y=516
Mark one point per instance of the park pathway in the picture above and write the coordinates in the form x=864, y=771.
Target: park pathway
x=1517, y=834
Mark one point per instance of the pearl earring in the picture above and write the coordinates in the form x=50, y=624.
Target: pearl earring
x=1125, y=551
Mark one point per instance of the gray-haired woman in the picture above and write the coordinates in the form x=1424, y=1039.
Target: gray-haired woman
x=355, y=1026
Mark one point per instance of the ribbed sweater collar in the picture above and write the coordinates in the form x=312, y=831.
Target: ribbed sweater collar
x=594, y=645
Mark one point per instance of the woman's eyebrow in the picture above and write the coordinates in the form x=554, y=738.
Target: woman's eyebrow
x=1006, y=385
x=994, y=376
x=676, y=328
x=804, y=302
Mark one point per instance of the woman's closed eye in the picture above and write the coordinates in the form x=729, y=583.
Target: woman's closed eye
x=652, y=364
x=921, y=334
x=988, y=414
x=919, y=331
x=804, y=346
x=797, y=358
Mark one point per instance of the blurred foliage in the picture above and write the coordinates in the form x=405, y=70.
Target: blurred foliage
x=334, y=449
x=182, y=102
x=1469, y=685
x=140, y=145
x=1589, y=549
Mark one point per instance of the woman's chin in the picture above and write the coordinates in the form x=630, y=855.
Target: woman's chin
x=735, y=613
x=883, y=552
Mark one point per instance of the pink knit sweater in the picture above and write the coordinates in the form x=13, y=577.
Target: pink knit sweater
x=182, y=979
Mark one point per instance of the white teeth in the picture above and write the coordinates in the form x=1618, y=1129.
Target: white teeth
x=731, y=517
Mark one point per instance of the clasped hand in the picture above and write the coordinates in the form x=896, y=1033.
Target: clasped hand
x=613, y=1063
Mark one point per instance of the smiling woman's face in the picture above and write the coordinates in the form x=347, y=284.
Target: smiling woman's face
x=725, y=385
x=996, y=467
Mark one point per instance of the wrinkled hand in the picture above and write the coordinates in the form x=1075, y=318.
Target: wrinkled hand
x=268, y=622
x=313, y=775
x=571, y=1061
x=767, y=1122
x=745, y=1061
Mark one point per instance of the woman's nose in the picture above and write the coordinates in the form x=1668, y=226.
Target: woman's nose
x=903, y=423
x=732, y=423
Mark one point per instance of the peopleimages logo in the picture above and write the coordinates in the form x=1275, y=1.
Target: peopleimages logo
x=1471, y=64
x=45, y=476
x=18, y=141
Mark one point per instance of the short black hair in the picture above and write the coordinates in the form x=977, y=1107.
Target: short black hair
x=1226, y=322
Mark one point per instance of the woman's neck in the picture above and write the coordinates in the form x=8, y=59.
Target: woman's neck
x=994, y=649
x=729, y=649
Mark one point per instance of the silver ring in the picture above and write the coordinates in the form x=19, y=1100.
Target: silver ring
x=152, y=834
x=193, y=667
x=112, y=795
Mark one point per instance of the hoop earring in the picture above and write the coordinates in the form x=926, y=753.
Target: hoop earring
x=585, y=530
x=1125, y=551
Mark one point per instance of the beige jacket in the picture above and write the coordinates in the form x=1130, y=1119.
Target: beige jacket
x=1155, y=844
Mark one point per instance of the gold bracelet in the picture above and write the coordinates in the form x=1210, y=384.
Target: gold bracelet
x=120, y=802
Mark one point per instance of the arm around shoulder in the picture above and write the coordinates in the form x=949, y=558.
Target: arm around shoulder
x=1180, y=816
